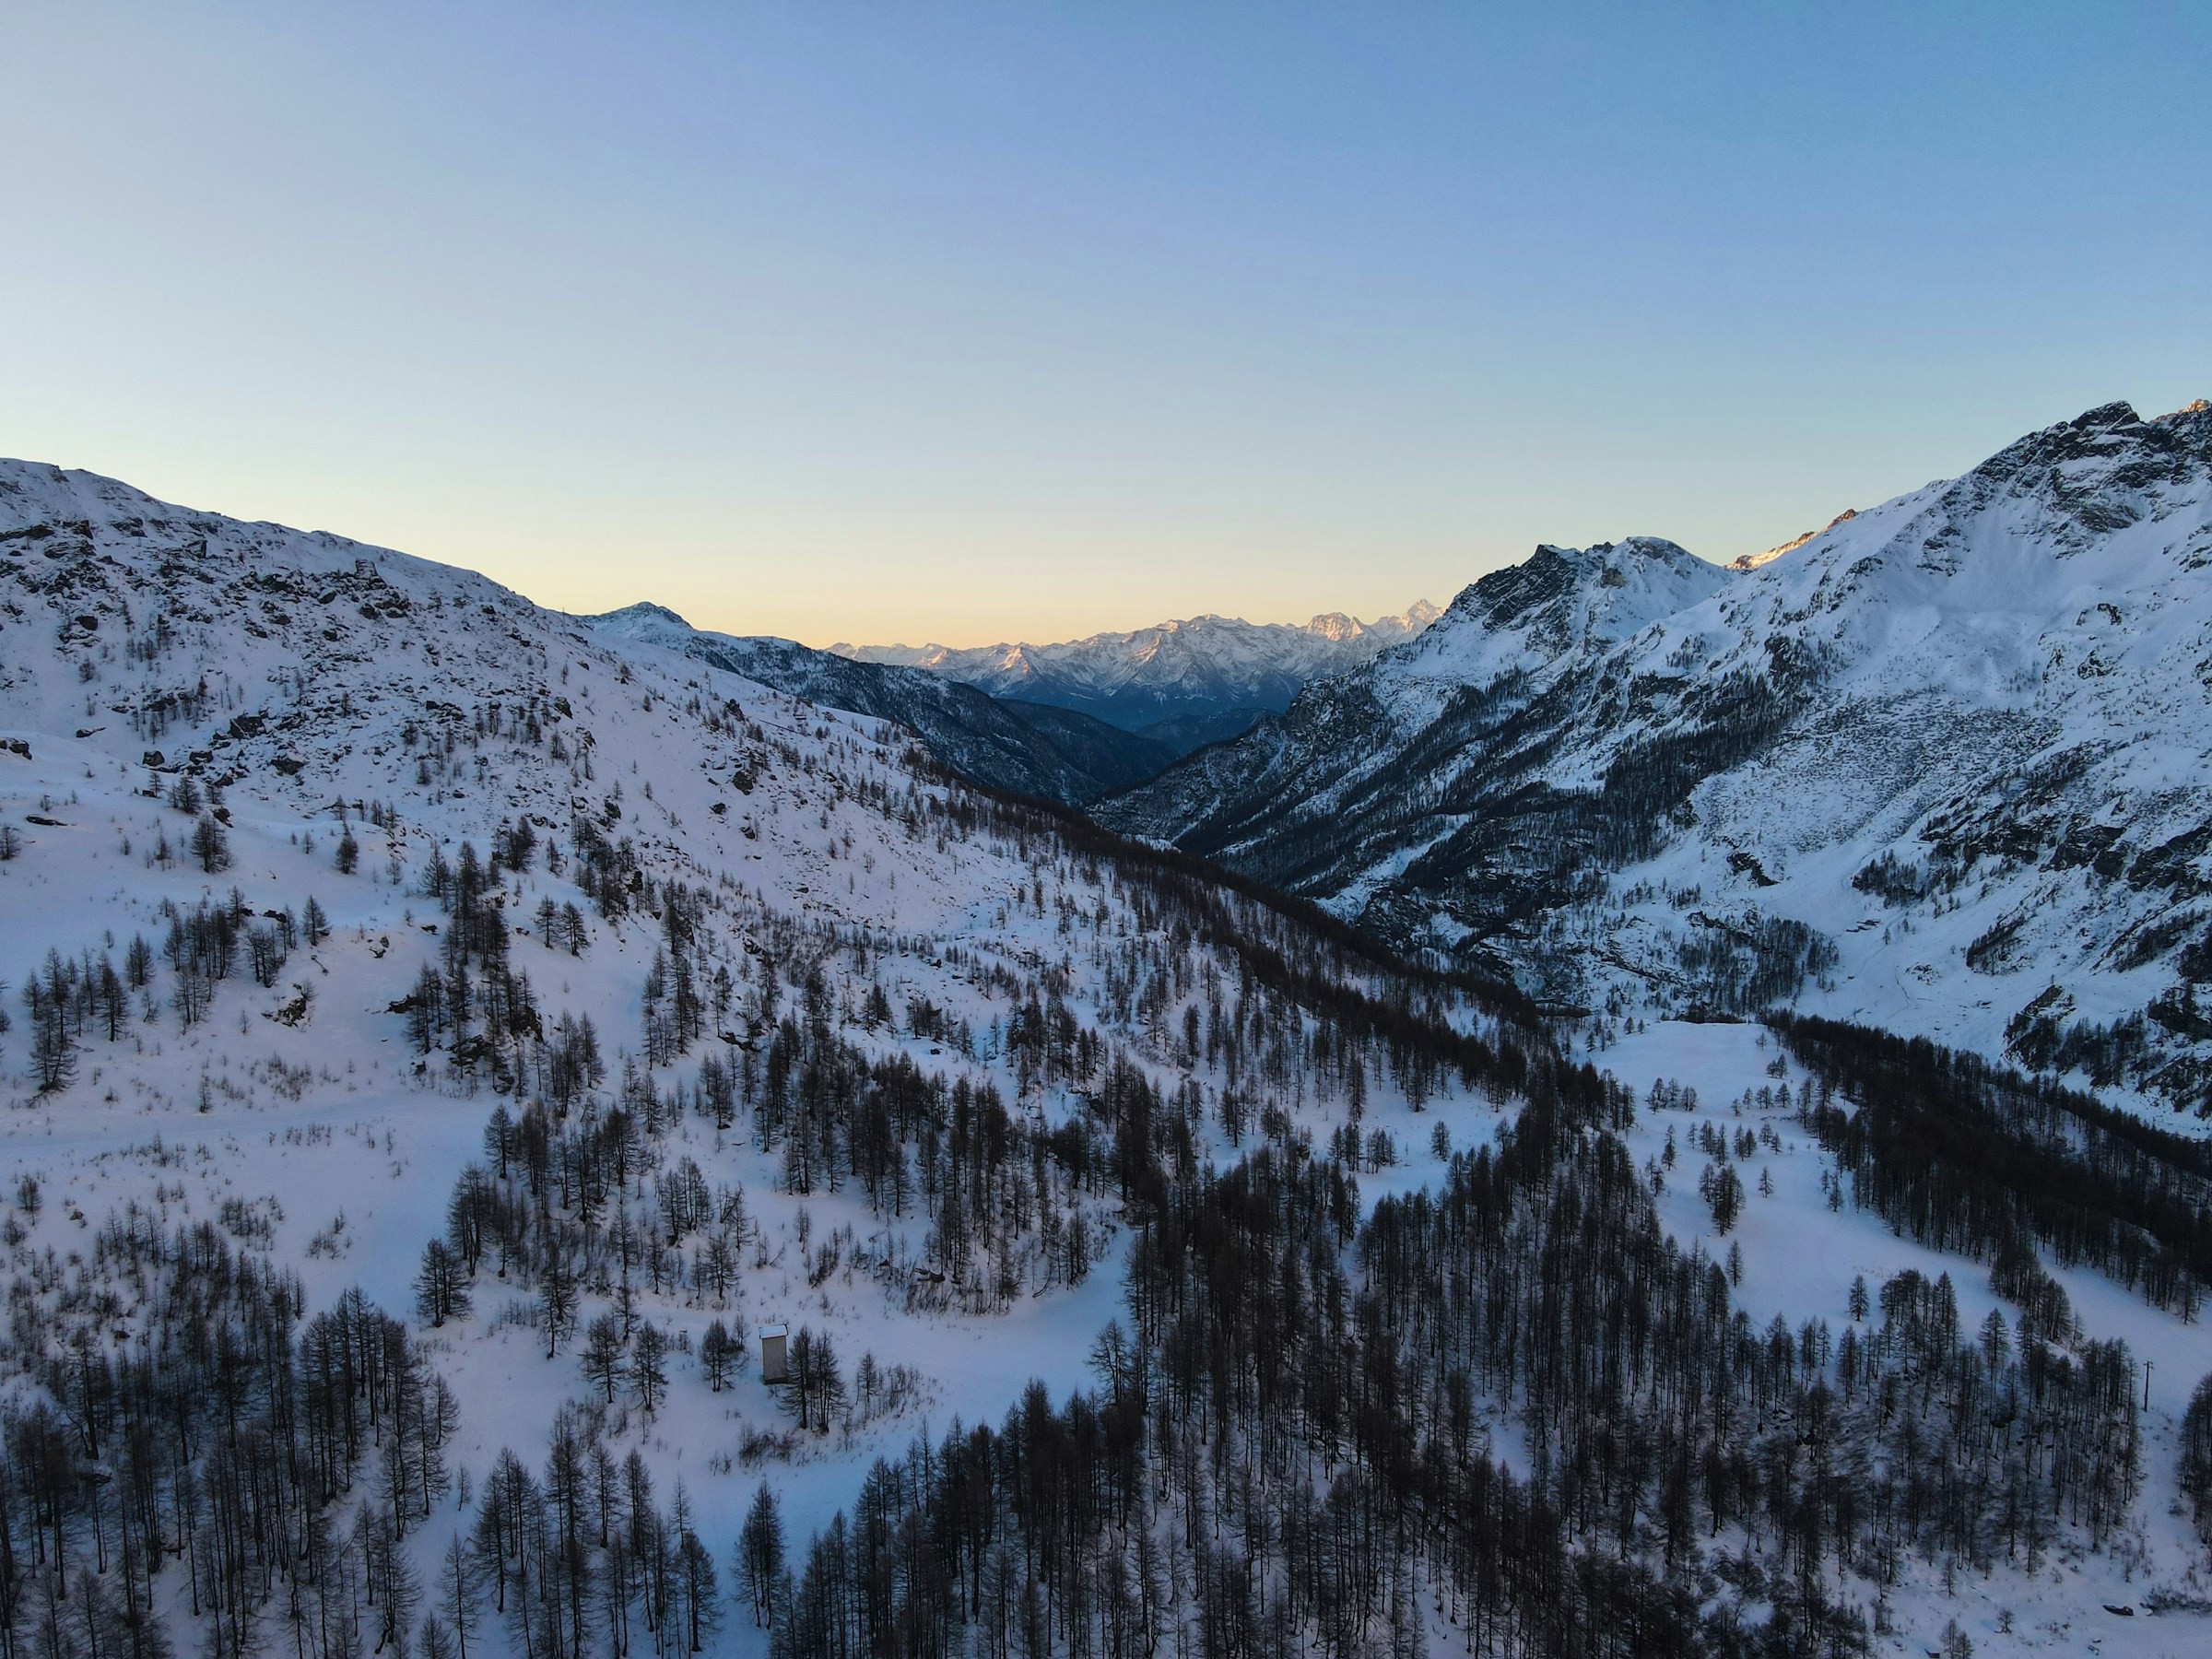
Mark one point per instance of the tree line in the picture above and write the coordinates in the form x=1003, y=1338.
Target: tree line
x=1971, y=1157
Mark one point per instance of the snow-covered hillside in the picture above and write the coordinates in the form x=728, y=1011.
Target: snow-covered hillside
x=1200, y=679
x=1941, y=767
x=280, y=760
x=443, y=1031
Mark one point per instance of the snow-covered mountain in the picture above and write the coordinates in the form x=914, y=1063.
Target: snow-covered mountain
x=1187, y=682
x=341, y=891
x=450, y=1041
x=1055, y=754
x=1942, y=767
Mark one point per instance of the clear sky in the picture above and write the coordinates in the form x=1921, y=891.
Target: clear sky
x=941, y=321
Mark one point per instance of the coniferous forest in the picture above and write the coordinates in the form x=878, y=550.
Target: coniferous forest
x=1513, y=1401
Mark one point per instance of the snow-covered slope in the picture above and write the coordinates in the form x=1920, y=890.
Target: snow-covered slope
x=1059, y=755
x=223, y=738
x=665, y=1005
x=1941, y=767
x=1190, y=672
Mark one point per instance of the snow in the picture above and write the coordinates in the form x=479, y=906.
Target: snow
x=1800, y=1258
x=358, y=1150
x=2007, y=671
x=1221, y=660
x=1565, y=603
x=335, y=1118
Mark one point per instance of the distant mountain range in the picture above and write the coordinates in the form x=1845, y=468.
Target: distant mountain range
x=1185, y=683
x=1067, y=723
x=1945, y=766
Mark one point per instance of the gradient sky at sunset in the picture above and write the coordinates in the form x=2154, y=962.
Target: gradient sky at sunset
x=965, y=323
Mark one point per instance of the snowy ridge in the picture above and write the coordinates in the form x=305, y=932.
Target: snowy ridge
x=1941, y=767
x=1751, y=561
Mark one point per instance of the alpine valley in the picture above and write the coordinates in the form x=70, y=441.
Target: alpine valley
x=536, y=1136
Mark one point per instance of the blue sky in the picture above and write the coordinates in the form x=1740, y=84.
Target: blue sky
x=968, y=322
